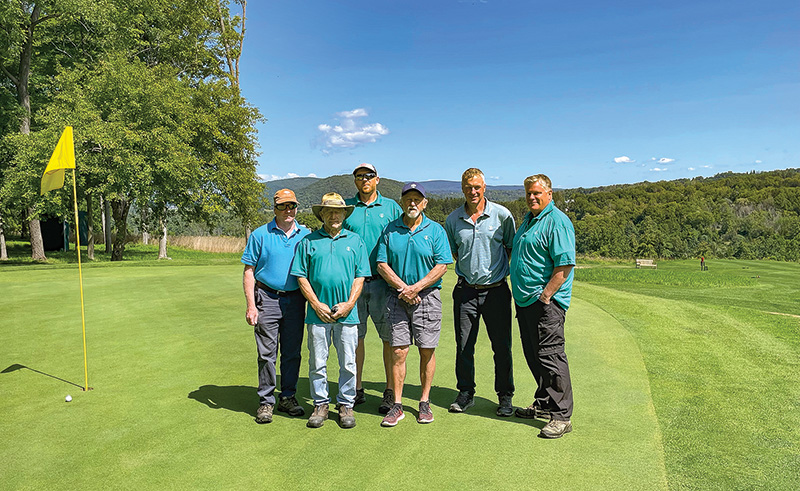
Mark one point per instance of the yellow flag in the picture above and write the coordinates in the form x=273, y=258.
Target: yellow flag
x=63, y=158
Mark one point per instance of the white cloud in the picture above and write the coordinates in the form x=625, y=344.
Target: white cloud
x=623, y=160
x=349, y=132
x=690, y=168
x=656, y=169
x=664, y=160
x=494, y=178
x=758, y=162
x=273, y=177
x=705, y=166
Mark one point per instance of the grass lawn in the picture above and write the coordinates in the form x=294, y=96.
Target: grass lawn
x=675, y=387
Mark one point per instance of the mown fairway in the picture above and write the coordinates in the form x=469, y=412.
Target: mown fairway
x=675, y=386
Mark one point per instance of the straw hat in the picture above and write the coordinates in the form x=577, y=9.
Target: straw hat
x=332, y=200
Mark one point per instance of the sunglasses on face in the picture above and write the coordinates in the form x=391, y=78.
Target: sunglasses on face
x=366, y=177
x=286, y=206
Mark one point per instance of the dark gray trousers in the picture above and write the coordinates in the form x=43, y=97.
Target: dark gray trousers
x=494, y=304
x=542, y=330
x=280, y=325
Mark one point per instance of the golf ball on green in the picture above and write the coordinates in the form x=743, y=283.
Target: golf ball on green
x=68, y=398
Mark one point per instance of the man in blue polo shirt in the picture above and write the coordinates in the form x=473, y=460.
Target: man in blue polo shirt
x=330, y=265
x=542, y=262
x=275, y=305
x=370, y=216
x=481, y=234
x=413, y=255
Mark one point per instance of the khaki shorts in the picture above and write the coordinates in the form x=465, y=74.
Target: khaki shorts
x=421, y=322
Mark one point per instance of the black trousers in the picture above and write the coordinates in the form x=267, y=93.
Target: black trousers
x=494, y=304
x=541, y=328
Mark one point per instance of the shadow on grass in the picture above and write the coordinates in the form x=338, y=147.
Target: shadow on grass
x=244, y=399
x=17, y=366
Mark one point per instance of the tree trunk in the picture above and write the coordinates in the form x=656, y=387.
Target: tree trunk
x=3, y=251
x=37, y=245
x=247, y=232
x=162, y=243
x=120, y=208
x=89, y=227
x=143, y=226
x=24, y=99
x=106, y=223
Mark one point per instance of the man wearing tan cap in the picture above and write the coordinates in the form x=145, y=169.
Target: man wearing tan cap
x=275, y=305
x=330, y=265
x=371, y=213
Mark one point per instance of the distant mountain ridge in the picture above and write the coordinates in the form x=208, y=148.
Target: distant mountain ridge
x=309, y=190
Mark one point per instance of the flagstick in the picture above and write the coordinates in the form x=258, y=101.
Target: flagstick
x=80, y=275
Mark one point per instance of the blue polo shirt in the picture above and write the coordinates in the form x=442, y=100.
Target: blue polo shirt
x=480, y=248
x=412, y=255
x=541, y=244
x=270, y=252
x=369, y=220
x=331, y=264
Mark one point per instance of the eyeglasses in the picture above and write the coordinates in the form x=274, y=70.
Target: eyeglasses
x=367, y=176
x=286, y=206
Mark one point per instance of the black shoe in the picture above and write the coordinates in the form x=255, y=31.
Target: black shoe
x=387, y=402
x=360, y=397
x=532, y=411
x=264, y=414
x=505, y=409
x=463, y=402
x=346, y=417
x=290, y=406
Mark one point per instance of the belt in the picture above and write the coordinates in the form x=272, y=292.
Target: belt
x=280, y=293
x=463, y=282
x=373, y=278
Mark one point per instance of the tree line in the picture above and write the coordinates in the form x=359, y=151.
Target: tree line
x=151, y=88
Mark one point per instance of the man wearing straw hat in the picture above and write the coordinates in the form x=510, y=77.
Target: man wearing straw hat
x=275, y=305
x=330, y=265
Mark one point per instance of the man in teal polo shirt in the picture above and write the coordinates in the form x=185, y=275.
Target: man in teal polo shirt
x=542, y=260
x=413, y=254
x=275, y=305
x=371, y=213
x=330, y=265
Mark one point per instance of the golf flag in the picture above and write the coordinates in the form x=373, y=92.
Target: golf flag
x=63, y=158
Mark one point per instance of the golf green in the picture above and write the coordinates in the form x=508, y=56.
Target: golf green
x=172, y=364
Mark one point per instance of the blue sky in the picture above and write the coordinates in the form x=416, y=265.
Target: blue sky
x=590, y=93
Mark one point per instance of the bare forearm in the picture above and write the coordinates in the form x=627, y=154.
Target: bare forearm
x=390, y=276
x=308, y=292
x=559, y=276
x=432, y=277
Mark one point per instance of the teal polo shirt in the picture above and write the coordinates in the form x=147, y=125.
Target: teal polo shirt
x=480, y=248
x=541, y=244
x=331, y=264
x=369, y=220
x=270, y=252
x=412, y=255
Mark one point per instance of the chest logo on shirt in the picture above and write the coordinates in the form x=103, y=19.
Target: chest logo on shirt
x=381, y=215
x=348, y=248
x=426, y=238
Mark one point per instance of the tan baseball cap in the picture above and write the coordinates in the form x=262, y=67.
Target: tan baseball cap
x=285, y=196
x=332, y=200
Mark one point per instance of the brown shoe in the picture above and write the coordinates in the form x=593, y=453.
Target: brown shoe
x=318, y=417
x=532, y=411
x=346, y=417
x=556, y=428
x=264, y=414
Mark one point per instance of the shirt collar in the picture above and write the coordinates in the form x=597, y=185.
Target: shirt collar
x=273, y=227
x=378, y=200
x=546, y=211
x=465, y=214
x=422, y=224
x=342, y=233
